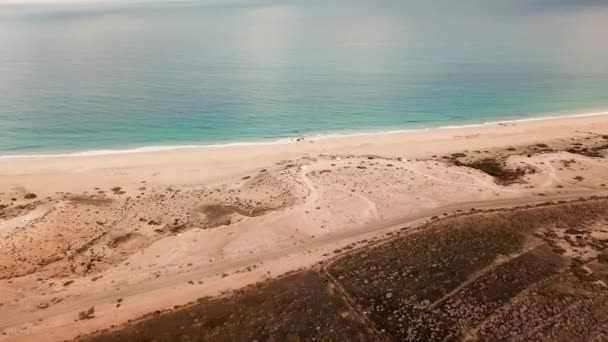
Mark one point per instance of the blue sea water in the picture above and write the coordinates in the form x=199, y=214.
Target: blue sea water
x=125, y=74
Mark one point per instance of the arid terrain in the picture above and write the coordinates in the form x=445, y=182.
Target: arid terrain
x=529, y=274
x=385, y=243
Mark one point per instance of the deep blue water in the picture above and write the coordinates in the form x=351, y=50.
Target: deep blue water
x=123, y=74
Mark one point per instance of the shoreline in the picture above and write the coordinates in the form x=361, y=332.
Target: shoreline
x=151, y=231
x=295, y=139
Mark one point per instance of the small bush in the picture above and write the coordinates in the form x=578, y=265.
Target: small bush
x=87, y=314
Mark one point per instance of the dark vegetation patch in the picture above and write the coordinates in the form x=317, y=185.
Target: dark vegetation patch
x=441, y=283
x=477, y=301
x=90, y=200
x=586, y=152
x=117, y=190
x=560, y=308
x=490, y=276
x=300, y=307
x=89, y=314
x=593, y=152
x=494, y=168
x=120, y=239
x=10, y=211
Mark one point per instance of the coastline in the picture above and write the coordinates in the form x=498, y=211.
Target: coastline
x=295, y=139
x=169, y=227
x=202, y=165
x=271, y=170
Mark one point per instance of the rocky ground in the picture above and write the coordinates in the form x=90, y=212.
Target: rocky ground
x=529, y=274
x=492, y=276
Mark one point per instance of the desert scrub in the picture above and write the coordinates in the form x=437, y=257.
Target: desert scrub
x=492, y=167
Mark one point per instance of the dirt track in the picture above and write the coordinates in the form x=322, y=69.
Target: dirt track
x=428, y=285
x=156, y=246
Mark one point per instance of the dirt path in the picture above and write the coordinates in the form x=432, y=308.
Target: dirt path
x=328, y=242
x=481, y=273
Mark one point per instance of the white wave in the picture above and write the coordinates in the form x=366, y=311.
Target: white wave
x=296, y=139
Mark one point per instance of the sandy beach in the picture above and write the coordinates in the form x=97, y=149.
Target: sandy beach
x=128, y=234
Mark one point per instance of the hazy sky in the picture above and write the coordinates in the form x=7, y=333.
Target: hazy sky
x=465, y=4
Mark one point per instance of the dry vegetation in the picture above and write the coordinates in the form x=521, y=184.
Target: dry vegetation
x=502, y=175
x=487, y=276
x=72, y=254
x=300, y=307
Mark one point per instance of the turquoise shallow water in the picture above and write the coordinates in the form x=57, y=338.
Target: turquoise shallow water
x=112, y=75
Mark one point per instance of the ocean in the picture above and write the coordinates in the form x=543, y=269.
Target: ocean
x=116, y=75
